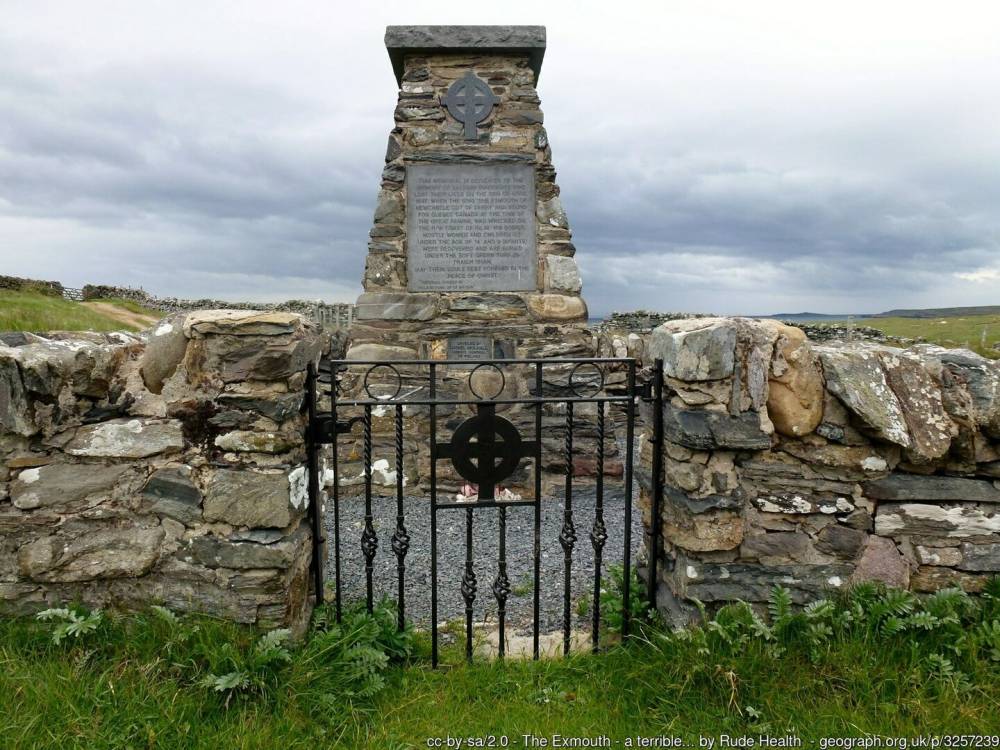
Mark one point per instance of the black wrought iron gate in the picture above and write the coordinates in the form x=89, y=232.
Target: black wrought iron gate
x=485, y=450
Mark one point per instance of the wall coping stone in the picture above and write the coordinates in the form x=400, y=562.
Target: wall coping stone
x=424, y=40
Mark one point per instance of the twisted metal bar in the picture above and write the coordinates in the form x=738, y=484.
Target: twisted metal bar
x=469, y=584
x=501, y=584
x=567, y=535
x=598, y=532
x=400, y=537
x=369, y=540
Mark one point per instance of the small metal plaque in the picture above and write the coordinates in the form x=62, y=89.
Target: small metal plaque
x=471, y=228
x=470, y=347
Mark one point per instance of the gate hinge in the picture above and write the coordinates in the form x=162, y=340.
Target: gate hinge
x=324, y=429
x=645, y=390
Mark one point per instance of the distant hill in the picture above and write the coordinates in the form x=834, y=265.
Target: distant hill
x=941, y=312
x=806, y=316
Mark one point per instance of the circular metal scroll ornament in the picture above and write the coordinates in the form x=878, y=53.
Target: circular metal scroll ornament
x=399, y=382
x=574, y=386
x=503, y=381
x=505, y=445
x=470, y=101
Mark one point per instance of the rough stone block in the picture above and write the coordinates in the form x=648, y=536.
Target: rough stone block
x=241, y=323
x=944, y=521
x=171, y=493
x=164, y=352
x=980, y=557
x=15, y=415
x=64, y=485
x=488, y=306
x=881, y=561
x=235, y=552
x=556, y=307
x=102, y=553
x=919, y=488
x=923, y=409
x=562, y=275
x=711, y=430
x=696, y=349
x=249, y=498
x=713, y=582
x=127, y=438
x=397, y=306
x=856, y=377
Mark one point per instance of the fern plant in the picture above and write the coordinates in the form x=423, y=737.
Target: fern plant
x=613, y=603
x=257, y=671
x=70, y=622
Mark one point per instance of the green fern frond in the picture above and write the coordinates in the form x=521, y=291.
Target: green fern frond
x=780, y=604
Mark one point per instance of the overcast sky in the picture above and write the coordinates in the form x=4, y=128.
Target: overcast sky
x=744, y=157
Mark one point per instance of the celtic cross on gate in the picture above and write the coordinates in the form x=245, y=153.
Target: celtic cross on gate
x=470, y=101
x=495, y=454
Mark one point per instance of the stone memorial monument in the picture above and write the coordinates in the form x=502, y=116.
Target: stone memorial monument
x=470, y=254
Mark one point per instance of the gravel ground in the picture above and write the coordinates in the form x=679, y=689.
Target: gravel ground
x=451, y=556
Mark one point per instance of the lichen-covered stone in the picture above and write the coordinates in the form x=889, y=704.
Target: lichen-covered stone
x=127, y=438
x=856, y=377
x=951, y=521
x=919, y=398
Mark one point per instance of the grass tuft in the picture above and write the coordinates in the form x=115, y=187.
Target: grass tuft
x=869, y=660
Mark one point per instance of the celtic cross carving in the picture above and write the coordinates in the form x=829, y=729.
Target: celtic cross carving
x=470, y=101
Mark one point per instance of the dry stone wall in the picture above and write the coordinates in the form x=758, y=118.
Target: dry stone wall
x=817, y=465
x=163, y=468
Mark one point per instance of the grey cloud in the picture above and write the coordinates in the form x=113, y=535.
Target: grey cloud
x=197, y=163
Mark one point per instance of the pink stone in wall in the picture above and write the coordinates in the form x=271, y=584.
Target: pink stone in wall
x=881, y=561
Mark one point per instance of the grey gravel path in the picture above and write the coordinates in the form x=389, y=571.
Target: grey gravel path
x=451, y=556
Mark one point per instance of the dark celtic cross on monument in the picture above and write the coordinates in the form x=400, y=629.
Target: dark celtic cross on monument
x=470, y=101
x=495, y=454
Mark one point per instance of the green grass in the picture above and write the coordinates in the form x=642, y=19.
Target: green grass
x=871, y=662
x=28, y=311
x=954, y=332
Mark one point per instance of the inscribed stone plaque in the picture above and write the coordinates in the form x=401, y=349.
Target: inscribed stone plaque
x=471, y=228
x=470, y=347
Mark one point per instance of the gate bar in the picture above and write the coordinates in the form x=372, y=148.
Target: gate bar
x=537, y=546
x=627, y=552
x=434, y=558
x=657, y=482
x=567, y=535
x=336, y=491
x=312, y=462
x=598, y=533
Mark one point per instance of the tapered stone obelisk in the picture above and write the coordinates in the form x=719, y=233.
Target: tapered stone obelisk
x=470, y=255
